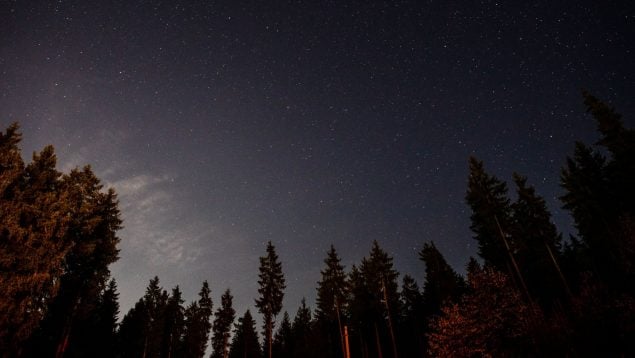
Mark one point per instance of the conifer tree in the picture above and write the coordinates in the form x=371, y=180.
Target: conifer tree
x=174, y=325
x=225, y=315
x=442, y=282
x=375, y=303
x=92, y=231
x=601, y=196
x=34, y=222
x=537, y=243
x=332, y=288
x=332, y=301
x=412, y=319
x=302, y=331
x=491, y=215
x=198, y=324
x=245, y=341
x=283, y=340
x=95, y=335
x=133, y=332
x=272, y=285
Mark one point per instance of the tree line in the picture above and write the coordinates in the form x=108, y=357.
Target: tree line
x=530, y=292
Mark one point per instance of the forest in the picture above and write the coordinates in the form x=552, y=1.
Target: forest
x=530, y=291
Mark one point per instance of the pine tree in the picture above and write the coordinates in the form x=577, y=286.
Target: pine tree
x=491, y=215
x=156, y=299
x=332, y=297
x=92, y=231
x=412, y=319
x=174, y=325
x=133, y=331
x=245, y=341
x=601, y=196
x=442, y=282
x=302, y=332
x=225, y=316
x=375, y=303
x=283, y=339
x=537, y=243
x=34, y=222
x=107, y=316
x=198, y=324
x=272, y=285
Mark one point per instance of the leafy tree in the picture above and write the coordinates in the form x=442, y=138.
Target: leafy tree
x=442, y=282
x=245, y=341
x=272, y=285
x=491, y=321
x=222, y=325
x=332, y=296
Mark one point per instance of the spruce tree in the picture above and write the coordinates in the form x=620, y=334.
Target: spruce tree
x=198, y=324
x=375, y=303
x=174, y=325
x=272, y=285
x=332, y=301
x=491, y=216
x=283, y=339
x=412, y=319
x=302, y=332
x=538, y=244
x=92, y=231
x=225, y=315
x=442, y=282
x=133, y=331
x=245, y=341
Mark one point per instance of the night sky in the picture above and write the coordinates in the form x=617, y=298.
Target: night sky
x=225, y=124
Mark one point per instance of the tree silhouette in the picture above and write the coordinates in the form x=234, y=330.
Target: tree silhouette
x=225, y=315
x=332, y=302
x=272, y=285
x=245, y=341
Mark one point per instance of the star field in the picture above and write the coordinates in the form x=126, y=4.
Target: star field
x=225, y=124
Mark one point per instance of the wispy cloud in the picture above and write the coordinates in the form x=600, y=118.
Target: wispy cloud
x=154, y=228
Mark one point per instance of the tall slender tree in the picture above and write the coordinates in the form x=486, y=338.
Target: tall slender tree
x=491, y=216
x=375, y=303
x=225, y=315
x=332, y=302
x=538, y=244
x=272, y=284
x=174, y=325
